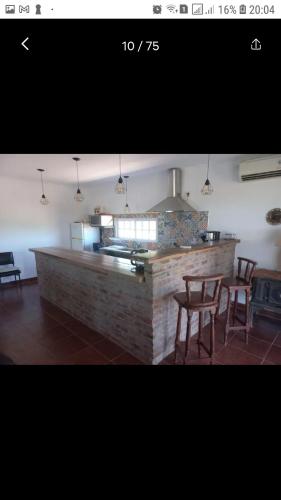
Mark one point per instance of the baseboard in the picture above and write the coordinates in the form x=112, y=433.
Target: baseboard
x=27, y=281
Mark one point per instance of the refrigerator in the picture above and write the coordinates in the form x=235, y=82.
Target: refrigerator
x=83, y=236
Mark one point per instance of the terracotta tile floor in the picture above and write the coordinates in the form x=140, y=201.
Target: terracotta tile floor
x=263, y=348
x=33, y=331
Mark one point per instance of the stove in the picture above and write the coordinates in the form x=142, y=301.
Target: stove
x=121, y=251
x=126, y=253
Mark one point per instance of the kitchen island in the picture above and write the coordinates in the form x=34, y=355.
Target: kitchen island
x=134, y=309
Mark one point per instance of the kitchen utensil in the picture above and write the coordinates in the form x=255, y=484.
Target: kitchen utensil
x=138, y=266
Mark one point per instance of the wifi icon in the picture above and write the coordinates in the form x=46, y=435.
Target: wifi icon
x=172, y=8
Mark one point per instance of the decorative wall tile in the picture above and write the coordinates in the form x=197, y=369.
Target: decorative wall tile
x=175, y=228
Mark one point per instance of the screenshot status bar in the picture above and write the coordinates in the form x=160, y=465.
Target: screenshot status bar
x=140, y=9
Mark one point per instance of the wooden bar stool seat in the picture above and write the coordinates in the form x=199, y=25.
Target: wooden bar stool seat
x=240, y=283
x=194, y=299
x=205, y=300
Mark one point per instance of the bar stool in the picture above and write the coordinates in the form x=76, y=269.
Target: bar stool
x=242, y=282
x=201, y=302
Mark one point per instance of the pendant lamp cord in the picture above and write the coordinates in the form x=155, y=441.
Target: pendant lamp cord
x=120, y=164
x=208, y=166
x=77, y=175
x=42, y=182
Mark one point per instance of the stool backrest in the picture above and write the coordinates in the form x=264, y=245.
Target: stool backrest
x=246, y=268
x=213, y=283
x=6, y=258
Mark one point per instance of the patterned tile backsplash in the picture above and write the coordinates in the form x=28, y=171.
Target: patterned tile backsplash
x=175, y=228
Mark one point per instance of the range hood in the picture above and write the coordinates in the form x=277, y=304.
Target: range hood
x=174, y=202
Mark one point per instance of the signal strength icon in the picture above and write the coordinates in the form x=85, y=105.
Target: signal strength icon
x=172, y=8
x=210, y=11
x=197, y=9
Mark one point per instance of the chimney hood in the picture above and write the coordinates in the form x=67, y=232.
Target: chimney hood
x=174, y=202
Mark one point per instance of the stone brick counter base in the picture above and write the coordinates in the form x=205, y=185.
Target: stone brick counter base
x=140, y=317
x=112, y=304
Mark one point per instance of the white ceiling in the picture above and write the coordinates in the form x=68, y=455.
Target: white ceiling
x=61, y=168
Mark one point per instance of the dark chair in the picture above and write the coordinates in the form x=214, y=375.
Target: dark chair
x=206, y=300
x=242, y=282
x=7, y=266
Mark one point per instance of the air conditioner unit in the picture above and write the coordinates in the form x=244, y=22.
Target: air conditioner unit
x=253, y=167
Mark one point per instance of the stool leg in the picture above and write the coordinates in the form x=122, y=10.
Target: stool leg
x=212, y=339
x=226, y=330
x=248, y=318
x=187, y=341
x=200, y=326
x=252, y=313
x=178, y=332
x=219, y=301
x=235, y=306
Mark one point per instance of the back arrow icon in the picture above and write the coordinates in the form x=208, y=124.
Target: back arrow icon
x=23, y=43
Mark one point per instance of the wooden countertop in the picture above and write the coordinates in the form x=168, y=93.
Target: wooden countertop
x=107, y=263
x=94, y=261
x=157, y=255
x=267, y=274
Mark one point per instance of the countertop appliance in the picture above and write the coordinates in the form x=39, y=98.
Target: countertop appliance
x=101, y=220
x=211, y=236
x=230, y=236
x=83, y=236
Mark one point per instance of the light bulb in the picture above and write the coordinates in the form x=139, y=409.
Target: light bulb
x=79, y=196
x=44, y=200
x=120, y=188
x=207, y=188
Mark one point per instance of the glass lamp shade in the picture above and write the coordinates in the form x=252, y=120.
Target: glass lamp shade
x=44, y=200
x=126, y=209
x=79, y=196
x=207, y=188
x=120, y=187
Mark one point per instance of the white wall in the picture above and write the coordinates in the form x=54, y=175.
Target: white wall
x=25, y=223
x=233, y=207
x=144, y=190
